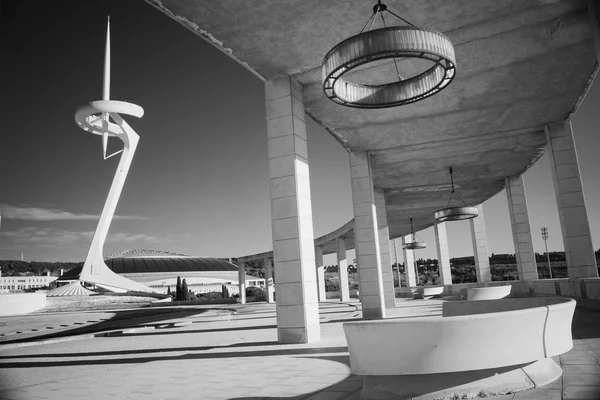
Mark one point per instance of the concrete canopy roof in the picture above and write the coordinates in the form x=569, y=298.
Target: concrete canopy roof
x=521, y=64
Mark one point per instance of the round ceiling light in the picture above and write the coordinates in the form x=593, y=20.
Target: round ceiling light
x=414, y=244
x=455, y=213
x=373, y=46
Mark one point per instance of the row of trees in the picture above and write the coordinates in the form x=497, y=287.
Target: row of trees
x=182, y=293
x=34, y=268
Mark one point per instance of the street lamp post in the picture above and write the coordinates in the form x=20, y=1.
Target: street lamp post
x=545, y=236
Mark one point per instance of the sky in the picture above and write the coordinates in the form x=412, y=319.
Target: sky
x=199, y=182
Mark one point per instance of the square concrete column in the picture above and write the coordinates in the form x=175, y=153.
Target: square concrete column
x=581, y=261
x=480, y=249
x=320, y=273
x=384, y=250
x=394, y=244
x=443, y=253
x=242, y=281
x=343, y=269
x=291, y=213
x=521, y=229
x=269, y=282
x=366, y=237
x=410, y=275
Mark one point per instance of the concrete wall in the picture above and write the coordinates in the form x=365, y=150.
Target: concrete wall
x=454, y=289
x=462, y=342
x=21, y=303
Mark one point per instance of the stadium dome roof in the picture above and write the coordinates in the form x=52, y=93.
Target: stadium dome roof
x=138, y=265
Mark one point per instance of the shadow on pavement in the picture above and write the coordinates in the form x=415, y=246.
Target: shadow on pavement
x=212, y=330
x=347, y=389
x=586, y=323
x=139, y=351
x=140, y=360
x=122, y=319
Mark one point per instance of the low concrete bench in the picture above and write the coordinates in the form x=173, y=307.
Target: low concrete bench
x=427, y=292
x=489, y=346
x=486, y=292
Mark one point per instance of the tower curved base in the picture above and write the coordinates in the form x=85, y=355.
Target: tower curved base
x=111, y=281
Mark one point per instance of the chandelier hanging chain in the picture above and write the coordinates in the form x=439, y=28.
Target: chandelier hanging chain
x=453, y=191
x=412, y=230
x=367, y=23
x=380, y=8
x=399, y=17
x=394, y=58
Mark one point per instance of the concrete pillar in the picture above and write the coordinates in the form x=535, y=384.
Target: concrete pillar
x=291, y=213
x=384, y=250
x=343, y=270
x=443, y=253
x=366, y=237
x=409, y=263
x=242, y=281
x=320, y=273
x=521, y=229
x=269, y=282
x=396, y=259
x=581, y=261
x=480, y=249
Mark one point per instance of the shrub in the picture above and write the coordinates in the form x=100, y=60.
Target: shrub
x=463, y=274
x=210, y=295
x=256, y=292
x=331, y=286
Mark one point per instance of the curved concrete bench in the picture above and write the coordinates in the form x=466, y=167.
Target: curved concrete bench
x=490, y=345
x=21, y=303
x=488, y=292
x=427, y=292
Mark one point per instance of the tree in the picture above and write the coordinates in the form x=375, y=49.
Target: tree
x=185, y=292
x=168, y=289
x=178, y=296
x=224, y=292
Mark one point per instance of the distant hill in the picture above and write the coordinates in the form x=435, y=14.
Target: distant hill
x=20, y=268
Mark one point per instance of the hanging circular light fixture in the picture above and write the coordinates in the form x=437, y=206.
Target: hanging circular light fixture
x=455, y=213
x=414, y=244
x=373, y=45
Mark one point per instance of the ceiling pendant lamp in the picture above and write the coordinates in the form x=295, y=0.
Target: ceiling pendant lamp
x=414, y=244
x=398, y=43
x=455, y=213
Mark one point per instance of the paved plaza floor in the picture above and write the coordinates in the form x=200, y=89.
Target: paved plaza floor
x=221, y=352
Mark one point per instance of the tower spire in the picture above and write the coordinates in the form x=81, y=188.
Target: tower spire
x=106, y=88
x=106, y=83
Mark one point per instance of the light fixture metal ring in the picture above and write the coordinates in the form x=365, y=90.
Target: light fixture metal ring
x=414, y=245
x=456, y=214
x=386, y=43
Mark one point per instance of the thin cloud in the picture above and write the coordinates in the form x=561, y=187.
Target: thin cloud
x=49, y=214
x=66, y=239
